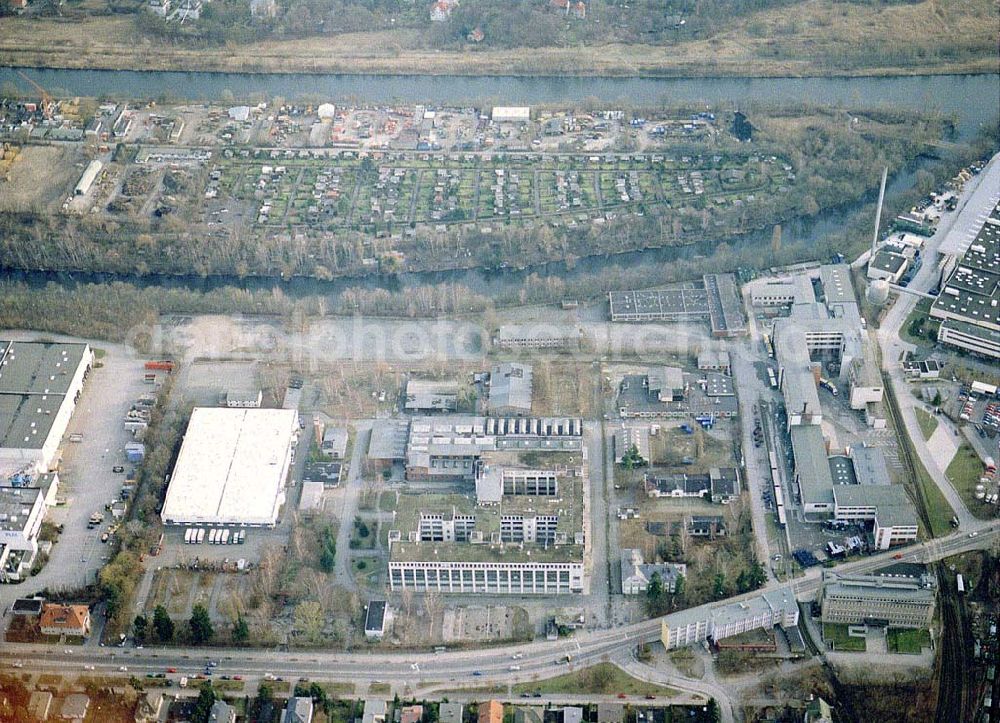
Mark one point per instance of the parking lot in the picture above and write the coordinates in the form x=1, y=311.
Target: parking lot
x=86, y=480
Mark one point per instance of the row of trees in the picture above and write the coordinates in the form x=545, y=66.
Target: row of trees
x=163, y=630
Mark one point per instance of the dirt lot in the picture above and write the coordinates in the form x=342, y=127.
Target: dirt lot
x=427, y=621
x=41, y=177
x=564, y=388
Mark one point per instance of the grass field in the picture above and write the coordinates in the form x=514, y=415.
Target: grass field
x=818, y=37
x=928, y=423
x=601, y=678
x=837, y=634
x=908, y=641
x=964, y=472
x=938, y=510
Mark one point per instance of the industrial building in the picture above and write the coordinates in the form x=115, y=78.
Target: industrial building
x=90, y=174
x=765, y=611
x=232, y=467
x=878, y=600
x=523, y=532
x=21, y=512
x=510, y=390
x=510, y=114
x=969, y=303
x=450, y=448
x=423, y=395
x=40, y=383
x=715, y=299
x=537, y=336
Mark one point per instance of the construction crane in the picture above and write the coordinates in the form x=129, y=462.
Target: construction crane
x=46, y=98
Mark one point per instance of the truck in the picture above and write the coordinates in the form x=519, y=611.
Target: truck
x=225, y=537
x=201, y=536
x=183, y=682
x=213, y=534
x=189, y=536
x=687, y=429
x=163, y=365
x=828, y=385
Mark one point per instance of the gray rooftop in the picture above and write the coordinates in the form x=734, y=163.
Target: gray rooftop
x=34, y=378
x=811, y=465
x=423, y=394
x=893, y=506
x=510, y=387
x=869, y=465
x=388, y=439
x=15, y=506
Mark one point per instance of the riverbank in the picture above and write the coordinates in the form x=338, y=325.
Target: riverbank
x=822, y=40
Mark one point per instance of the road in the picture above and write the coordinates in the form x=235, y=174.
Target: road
x=980, y=193
x=540, y=659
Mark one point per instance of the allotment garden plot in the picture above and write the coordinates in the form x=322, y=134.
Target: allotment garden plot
x=378, y=191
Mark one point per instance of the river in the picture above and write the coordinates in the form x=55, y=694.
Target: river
x=974, y=100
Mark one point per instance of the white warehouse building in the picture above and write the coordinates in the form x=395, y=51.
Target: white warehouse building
x=40, y=383
x=87, y=179
x=232, y=467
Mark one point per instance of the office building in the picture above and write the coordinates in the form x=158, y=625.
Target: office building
x=880, y=600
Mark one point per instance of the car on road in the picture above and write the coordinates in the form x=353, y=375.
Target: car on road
x=88, y=667
x=898, y=556
x=525, y=695
x=117, y=469
x=237, y=677
x=973, y=534
x=622, y=695
x=18, y=664
x=650, y=696
x=517, y=656
x=171, y=670
x=123, y=668
x=477, y=672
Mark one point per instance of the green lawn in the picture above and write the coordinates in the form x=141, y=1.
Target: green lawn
x=964, y=472
x=908, y=641
x=938, y=510
x=603, y=678
x=928, y=422
x=837, y=634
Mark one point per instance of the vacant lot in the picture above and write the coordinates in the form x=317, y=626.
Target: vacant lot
x=601, y=678
x=40, y=178
x=965, y=471
x=928, y=423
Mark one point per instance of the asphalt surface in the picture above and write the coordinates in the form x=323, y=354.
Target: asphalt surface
x=980, y=193
x=491, y=666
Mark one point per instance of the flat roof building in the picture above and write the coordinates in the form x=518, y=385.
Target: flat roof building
x=898, y=602
x=969, y=302
x=232, y=467
x=423, y=395
x=812, y=470
x=690, y=627
x=375, y=616
x=40, y=383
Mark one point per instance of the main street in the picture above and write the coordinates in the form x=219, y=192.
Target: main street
x=469, y=668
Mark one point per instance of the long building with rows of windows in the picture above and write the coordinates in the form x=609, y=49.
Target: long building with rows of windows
x=522, y=532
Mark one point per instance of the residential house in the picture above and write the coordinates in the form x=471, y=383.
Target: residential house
x=374, y=711
x=334, y=444
x=39, y=704
x=60, y=619
x=636, y=574
x=491, y=712
x=450, y=713
x=411, y=714
x=298, y=710
x=222, y=712
x=708, y=526
x=75, y=707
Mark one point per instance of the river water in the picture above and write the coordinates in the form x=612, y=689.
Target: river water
x=974, y=100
